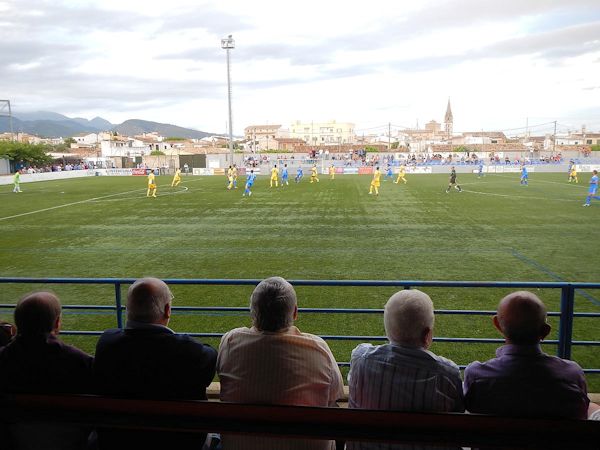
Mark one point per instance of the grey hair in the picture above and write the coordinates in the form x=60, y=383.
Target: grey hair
x=407, y=315
x=272, y=304
x=146, y=300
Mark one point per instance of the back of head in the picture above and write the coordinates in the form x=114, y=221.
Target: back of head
x=272, y=304
x=146, y=300
x=37, y=313
x=522, y=318
x=407, y=317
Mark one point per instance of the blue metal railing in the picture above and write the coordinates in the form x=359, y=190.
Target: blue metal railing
x=565, y=315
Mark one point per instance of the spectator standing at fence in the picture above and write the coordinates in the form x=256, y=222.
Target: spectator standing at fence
x=148, y=360
x=404, y=375
x=37, y=362
x=522, y=380
x=274, y=363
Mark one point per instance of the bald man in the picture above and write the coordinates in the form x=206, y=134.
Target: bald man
x=522, y=380
x=36, y=361
x=148, y=360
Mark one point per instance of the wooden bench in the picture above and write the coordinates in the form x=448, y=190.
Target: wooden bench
x=471, y=430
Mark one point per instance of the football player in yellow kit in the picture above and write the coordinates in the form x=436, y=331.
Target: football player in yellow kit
x=332, y=172
x=573, y=174
x=234, y=173
x=401, y=175
x=313, y=174
x=275, y=176
x=176, y=178
x=376, y=182
x=230, y=177
x=151, y=185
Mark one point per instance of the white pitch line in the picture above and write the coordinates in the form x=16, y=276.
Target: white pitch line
x=89, y=200
x=185, y=189
x=582, y=185
x=518, y=196
x=67, y=204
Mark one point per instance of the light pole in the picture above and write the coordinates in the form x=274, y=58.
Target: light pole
x=229, y=44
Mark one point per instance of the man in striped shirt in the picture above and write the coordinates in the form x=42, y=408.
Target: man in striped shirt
x=404, y=375
x=274, y=363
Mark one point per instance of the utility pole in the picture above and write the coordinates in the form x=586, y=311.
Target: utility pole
x=389, y=136
x=482, y=143
x=229, y=44
x=554, y=140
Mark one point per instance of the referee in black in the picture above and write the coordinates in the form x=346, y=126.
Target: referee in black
x=453, y=181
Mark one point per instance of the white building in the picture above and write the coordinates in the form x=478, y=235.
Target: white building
x=263, y=137
x=124, y=147
x=579, y=139
x=86, y=138
x=323, y=133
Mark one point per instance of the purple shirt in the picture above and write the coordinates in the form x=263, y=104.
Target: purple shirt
x=524, y=381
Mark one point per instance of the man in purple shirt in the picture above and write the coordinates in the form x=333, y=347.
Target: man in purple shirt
x=522, y=380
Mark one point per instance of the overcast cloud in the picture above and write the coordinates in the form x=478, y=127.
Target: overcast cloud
x=500, y=63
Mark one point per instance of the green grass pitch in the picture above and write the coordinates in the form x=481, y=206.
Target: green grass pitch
x=494, y=230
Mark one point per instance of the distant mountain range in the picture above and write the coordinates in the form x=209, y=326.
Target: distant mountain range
x=51, y=124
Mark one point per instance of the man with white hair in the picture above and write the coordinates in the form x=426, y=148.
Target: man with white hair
x=148, y=360
x=274, y=363
x=404, y=375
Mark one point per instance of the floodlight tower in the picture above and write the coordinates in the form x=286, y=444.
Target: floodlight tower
x=5, y=111
x=229, y=44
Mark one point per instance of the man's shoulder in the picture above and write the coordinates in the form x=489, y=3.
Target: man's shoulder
x=446, y=363
x=392, y=354
x=153, y=337
x=73, y=351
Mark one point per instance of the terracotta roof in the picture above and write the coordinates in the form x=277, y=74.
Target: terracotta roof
x=249, y=127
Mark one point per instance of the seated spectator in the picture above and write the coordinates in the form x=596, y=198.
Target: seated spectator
x=404, y=375
x=522, y=380
x=147, y=360
x=594, y=411
x=37, y=362
x=274, y=363
x=7, y=331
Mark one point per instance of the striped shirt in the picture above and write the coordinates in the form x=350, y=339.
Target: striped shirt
x=281, y=368
x=394, y=377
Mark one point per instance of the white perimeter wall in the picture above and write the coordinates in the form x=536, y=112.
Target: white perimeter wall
x=47, y=176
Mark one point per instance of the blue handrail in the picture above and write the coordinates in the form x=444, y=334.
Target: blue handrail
x=566, y=314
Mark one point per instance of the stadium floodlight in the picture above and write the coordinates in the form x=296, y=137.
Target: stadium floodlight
x=5, y=111
x=229, y=44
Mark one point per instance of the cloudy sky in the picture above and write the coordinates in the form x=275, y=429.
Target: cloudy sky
x=502, y=63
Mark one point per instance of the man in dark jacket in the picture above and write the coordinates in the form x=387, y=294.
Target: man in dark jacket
x=147, y=360
x=36, y=361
